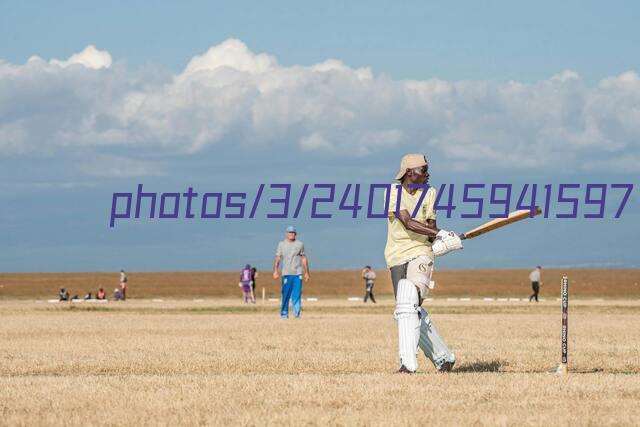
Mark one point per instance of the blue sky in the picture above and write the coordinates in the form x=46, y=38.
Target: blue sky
x=455, y=40
x=98, y=97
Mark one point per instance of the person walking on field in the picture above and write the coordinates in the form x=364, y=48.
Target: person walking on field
x=254, y=274
x=369, y=280
x=413, y=241
x=295, y=267
x=536, y=281
x=123, y=285
x=245, y=284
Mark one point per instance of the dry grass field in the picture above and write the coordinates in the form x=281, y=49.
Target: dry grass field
x=220, y=362
x=591, y=283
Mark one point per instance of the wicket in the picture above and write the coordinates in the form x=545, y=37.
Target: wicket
x=564, y=292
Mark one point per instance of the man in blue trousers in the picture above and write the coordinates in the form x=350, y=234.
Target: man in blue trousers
x=295, y=267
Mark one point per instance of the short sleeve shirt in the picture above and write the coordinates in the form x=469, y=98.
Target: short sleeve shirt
x=370, y=276
x=404, y=245
x=290, y=254
x=534, y=276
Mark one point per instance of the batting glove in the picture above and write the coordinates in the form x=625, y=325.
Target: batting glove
x=446, y=241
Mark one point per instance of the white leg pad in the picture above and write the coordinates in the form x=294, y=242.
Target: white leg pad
x=432, y=343
x=408, y=323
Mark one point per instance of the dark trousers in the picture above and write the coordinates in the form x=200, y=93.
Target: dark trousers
x=398, y=273
x=536, y=289
x=369, y=294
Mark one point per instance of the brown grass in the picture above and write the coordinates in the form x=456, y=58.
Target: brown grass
x=597, y=283
x=222, y=363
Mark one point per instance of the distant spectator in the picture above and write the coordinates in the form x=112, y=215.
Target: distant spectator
x=87, y=296
x=123, y=285
x=254, y=274
x=63, y=294
x=536, y=281
x=369, y=277
x=75, y=298
x=245, y=284
x=116, y=294
x=100, y=294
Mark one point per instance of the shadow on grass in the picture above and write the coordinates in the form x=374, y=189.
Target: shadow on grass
x=604, y=371
x=496, y=365
x=482, y=366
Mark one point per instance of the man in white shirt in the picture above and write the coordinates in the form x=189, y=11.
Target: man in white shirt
x=536, y=281
x=123, y=285
x=369, y=277
x=295, y=267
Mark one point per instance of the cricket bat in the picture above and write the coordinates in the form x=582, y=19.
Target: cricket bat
x=499, y=222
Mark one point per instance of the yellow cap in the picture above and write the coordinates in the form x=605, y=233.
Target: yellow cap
x=411, y=161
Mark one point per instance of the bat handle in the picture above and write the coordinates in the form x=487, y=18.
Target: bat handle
x=462, y=236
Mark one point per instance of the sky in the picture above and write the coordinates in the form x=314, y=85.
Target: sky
x=98, y=97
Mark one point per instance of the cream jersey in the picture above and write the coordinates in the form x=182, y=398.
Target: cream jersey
x=404, y=245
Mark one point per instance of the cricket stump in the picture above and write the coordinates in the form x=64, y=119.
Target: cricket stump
x=564, y=295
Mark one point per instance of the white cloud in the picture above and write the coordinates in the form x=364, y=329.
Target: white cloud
x=48, y=185
x=231, y=96
x=625, y=164
x=13, y=137
x=315, y=141
x=120, y=166
x=90, y=57
x=233, y=54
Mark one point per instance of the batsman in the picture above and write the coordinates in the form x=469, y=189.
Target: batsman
x=412, y=244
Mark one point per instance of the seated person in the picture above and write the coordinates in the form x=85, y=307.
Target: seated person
x=87, y=296
x=101, y=294
x=116, y=294
x=63, y=294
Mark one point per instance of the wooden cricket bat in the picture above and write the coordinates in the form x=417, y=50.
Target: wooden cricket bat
x=499, y=222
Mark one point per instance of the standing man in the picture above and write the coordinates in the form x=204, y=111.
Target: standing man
x=411, y=246
x=369, y=277
x=254, y=274
x=536, y=281
x=295, y=267
x=245, y=284
x=123, y=285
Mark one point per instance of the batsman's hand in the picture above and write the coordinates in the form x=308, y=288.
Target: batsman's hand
x=306, y=276
x=446, y=241
x=275, y=274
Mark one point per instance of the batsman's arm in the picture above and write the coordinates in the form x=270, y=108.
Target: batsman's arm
x=411, y=224
x=432, y=223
